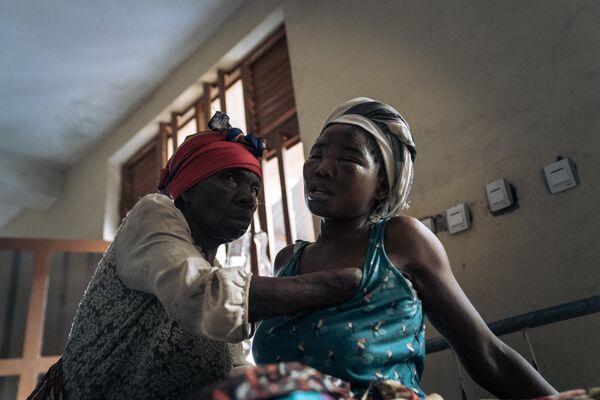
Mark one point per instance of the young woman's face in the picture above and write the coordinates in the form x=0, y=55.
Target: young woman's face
x=341, y=176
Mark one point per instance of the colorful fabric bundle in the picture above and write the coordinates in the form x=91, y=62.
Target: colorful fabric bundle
x=278, y=381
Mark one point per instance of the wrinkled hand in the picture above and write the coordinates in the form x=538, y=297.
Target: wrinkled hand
x=272, y=297
x=345, y=281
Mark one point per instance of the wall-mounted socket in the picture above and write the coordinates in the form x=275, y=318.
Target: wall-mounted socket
x=458, y=218
x=561, y=175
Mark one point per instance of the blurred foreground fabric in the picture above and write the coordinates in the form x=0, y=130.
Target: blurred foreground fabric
x=294, y=381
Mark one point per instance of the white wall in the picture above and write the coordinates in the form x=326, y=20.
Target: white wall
x=491, y=89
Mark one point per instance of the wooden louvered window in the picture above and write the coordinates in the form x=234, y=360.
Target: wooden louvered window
x=268, y=90
x=271, y=114
x=259, y=98
x=139, y=175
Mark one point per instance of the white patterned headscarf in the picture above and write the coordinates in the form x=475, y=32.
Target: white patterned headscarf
x=392, y=135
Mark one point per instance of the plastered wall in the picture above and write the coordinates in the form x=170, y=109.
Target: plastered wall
x=491, y=89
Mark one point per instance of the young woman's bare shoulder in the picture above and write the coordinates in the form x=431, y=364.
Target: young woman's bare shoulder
x=283, y=257
x=407, y=229
x=408, y=241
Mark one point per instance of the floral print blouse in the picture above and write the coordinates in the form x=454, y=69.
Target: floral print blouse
x=379, y=334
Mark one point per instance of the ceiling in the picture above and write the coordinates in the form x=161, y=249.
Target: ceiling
x=70, y=70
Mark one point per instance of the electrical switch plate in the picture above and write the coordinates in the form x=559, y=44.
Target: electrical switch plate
x=499, y=195
x=458, y=218
x=429, y=222
x=560, y=175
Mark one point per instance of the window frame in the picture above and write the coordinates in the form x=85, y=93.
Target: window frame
x=277, y=141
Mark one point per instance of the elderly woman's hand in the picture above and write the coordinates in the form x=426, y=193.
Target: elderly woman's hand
x=272, y=297
x=344, y=283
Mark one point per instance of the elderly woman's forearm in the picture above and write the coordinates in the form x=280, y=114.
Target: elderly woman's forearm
x=272, y=297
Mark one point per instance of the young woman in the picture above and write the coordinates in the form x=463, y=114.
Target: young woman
x=357, y=178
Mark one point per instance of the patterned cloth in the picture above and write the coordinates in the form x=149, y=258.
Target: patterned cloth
x=379, y=334
x=51, y=386
x=294, y=381
x=281, y=381
x=389, y=389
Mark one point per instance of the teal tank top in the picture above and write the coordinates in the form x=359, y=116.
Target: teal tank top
x=378, y=334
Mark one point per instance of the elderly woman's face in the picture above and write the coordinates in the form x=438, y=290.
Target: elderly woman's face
x=222, y=206
x=341, y=177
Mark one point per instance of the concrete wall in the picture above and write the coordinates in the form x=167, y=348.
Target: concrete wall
x=491, y=89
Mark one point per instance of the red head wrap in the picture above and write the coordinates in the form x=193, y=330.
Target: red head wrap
x=200, y=156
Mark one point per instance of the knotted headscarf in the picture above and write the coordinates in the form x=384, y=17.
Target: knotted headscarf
x=206, y=153
x=392, y=135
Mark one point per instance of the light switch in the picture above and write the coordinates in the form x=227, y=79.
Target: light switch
x=458, y=218
x=499, y=195
x=560, y=175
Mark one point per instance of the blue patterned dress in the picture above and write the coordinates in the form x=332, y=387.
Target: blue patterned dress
x=378, y=334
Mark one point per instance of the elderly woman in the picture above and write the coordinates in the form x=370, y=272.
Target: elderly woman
x=357, y=178
x=156, y=317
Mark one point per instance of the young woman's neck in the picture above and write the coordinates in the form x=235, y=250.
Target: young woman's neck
x=335, y=229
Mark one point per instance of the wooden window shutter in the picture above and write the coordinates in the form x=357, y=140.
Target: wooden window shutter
x=268, y=90
x=140, y=174
x=271, y=112
x=201, y=115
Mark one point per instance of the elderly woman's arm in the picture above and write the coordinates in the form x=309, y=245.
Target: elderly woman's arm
x=271, y=297
x=155, y=254
x=490, y=362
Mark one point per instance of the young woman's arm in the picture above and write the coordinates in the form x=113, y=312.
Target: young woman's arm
x=490, y=362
